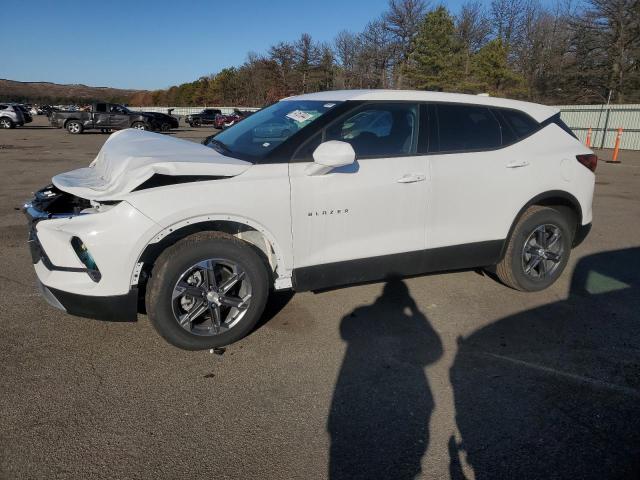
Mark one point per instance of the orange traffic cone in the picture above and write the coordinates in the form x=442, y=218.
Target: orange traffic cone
x=588, y=142
x=616, y=149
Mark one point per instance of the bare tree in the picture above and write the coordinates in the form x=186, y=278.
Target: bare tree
x=307, y=55
x=403, y=21
x=347, y=49
x=473, y=28
x=284, y=55
x=376, y=58
x=615, y=27
x=506, y=16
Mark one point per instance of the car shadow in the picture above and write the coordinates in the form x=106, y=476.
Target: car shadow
x=554, y=392
x=275, y=304
x=382, y=403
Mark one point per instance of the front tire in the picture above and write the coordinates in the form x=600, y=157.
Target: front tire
x=538, y=250
x=206, y=291
x=139, y=126
x=6, y=123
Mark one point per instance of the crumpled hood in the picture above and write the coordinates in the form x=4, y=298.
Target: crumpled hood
x=130, y=157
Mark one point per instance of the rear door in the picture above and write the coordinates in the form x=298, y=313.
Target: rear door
x=350, y=222
x=101, y=116
x=481, y=178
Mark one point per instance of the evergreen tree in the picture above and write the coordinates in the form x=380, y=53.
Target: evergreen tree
x=436, y=62
x=492, y=71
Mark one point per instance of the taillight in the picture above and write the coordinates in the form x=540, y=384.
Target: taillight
x=590, y=161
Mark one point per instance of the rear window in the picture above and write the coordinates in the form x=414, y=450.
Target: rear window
x=558, y=121
x=520, y=123
x=467, y=128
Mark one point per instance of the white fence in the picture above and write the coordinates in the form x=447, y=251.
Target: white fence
x=182, y=111
x=604, y=121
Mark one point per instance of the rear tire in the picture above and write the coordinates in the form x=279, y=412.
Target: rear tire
x=538, y=250
x=178, y=272
x=6, y=123
x=74, y=127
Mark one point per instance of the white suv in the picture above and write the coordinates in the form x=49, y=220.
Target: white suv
x=313, y=192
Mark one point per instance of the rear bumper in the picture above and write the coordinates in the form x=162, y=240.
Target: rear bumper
x=115, y=308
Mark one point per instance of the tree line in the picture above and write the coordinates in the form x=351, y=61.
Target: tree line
x=553, y=53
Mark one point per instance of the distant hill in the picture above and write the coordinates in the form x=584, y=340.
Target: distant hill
x=47, y=92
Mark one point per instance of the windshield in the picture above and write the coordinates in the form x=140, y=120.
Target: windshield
x=257, y=135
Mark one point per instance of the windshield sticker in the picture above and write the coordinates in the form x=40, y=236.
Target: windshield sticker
x=299, y=116
x=329, y=105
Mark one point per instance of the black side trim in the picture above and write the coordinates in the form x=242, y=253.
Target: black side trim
x=116, y=308
x=160, y=180
x=581, y=233
x=457, y=257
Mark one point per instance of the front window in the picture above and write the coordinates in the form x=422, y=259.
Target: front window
x=380, y=129
x=257, y=135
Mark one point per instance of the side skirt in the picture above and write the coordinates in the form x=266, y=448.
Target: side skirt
x=456, y=257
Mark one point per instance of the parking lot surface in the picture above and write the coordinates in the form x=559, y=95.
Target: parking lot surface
x=440, y=376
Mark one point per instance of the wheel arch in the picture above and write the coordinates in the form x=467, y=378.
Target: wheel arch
x=72, y=120
x=559, y=199
x=251, y=232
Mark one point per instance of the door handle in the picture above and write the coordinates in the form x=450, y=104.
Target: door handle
x=517, y=164
x=412, y=178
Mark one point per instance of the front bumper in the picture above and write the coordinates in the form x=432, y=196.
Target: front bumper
x=114, y=308
x=114, y=238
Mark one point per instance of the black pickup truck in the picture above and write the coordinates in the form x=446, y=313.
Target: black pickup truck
x=205, y=117
x=110, y=116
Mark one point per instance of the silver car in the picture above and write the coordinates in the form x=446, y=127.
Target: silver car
x=11, y=116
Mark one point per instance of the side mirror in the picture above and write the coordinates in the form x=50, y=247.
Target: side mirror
x=330, y=155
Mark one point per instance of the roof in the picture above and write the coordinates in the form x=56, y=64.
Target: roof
x=537, y=111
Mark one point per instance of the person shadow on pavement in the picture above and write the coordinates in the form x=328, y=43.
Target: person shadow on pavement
x=554, y=391
x=382, y=403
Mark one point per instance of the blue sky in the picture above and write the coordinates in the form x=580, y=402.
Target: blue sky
x=156, y=44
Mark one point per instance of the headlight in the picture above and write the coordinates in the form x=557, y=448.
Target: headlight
x=86, y=258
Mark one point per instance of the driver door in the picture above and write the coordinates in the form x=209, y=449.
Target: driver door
x=367, y=220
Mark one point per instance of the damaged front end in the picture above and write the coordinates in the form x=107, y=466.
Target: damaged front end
x=52, y=203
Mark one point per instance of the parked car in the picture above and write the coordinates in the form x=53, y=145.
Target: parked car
x=26, y=112
x=205, y=117
x=162, y=121
x=12, y=116
x=103, y=116
x=47, y=109
x=199, y=234
x=223, y=121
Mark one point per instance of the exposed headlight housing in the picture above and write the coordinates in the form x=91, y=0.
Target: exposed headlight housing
x=86, y=258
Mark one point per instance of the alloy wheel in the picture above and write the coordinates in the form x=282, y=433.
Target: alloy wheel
x=211, y=297
x=542, y=252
